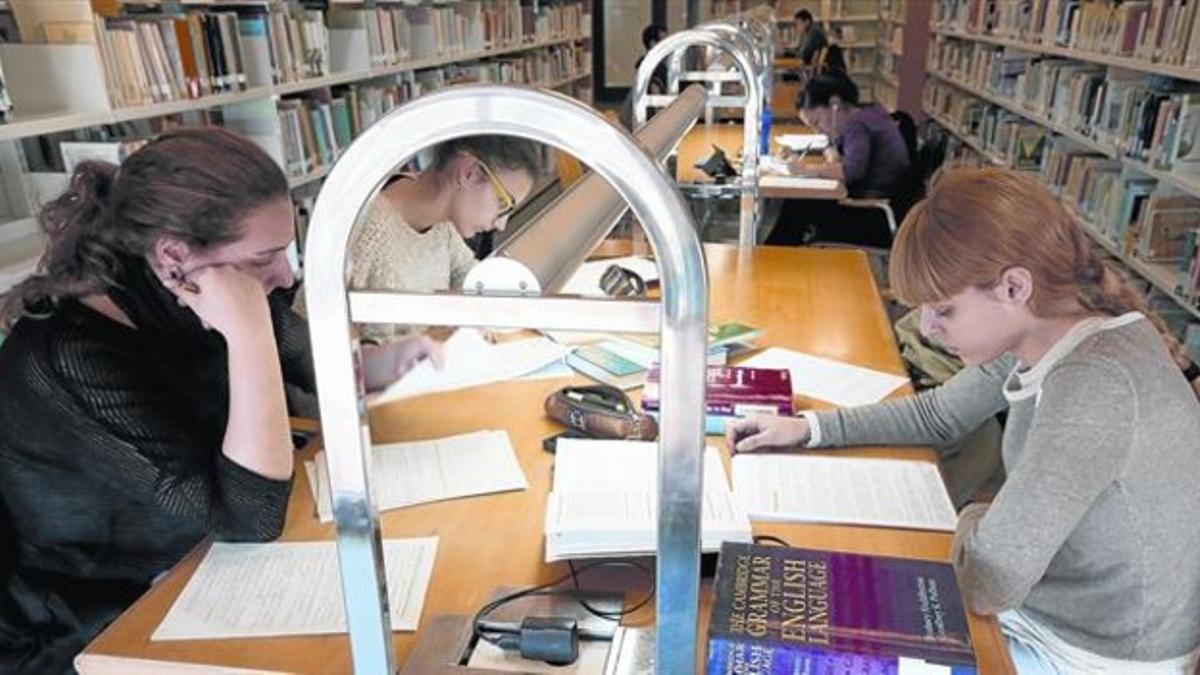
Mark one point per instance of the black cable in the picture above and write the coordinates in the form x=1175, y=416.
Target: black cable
x=482, y=633
x=619, y=614
x=770, y=539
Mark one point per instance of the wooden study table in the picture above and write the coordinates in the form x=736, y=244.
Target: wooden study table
x=698, y=144
x=823, y=302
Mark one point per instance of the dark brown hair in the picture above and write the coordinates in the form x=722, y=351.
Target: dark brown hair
x=191, y=184
x=500, y=152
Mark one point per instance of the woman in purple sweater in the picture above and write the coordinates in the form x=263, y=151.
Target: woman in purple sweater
x=874, y=163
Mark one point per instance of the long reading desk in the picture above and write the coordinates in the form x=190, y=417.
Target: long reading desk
x=823, y=302
x=698, y=144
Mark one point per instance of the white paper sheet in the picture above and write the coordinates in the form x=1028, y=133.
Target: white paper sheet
x=551, y=371
x=799, y=142
x=586, y=280
x=471, y=361
x=405, y=474
x=603, y=501
x=289, y=588
x=839, y=383
x=846, y=490
x=797, y=182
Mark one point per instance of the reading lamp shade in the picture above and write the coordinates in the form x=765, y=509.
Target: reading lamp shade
x=542, y=255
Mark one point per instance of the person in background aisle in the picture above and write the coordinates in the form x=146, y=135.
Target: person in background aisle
x=141, y=386
x=811, y=38
x=874, y=162
x=413, y=232
x=651, y=35
x=831, y=61
x=1088, y=551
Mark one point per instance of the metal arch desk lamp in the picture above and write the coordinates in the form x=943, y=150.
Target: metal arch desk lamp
x=680, y=315
x=744, y=55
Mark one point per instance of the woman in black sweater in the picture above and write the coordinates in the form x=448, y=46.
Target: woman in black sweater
x=142, y=385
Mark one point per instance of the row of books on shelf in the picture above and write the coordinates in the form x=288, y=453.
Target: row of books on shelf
x=318, y=126
x=894, y=39
x=152, y=58
x=1152, y=119
x=1161, y=31
x=1141, y=217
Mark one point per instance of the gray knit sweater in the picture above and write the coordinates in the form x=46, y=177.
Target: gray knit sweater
x=1095, y=531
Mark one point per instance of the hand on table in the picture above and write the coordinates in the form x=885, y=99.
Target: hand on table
x=386, y=363
x=765, y=432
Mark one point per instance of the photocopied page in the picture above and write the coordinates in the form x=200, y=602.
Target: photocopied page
x=289, y=588
x=470, y=361
x=604, y=501
x=839, y=383
x=418, y=472
x=844, y=490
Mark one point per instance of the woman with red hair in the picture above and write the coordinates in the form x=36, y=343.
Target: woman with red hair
x=1088, y=552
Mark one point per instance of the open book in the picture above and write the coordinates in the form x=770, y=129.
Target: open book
x=604, y=501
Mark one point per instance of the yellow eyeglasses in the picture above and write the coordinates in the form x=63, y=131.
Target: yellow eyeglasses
x=507, y=203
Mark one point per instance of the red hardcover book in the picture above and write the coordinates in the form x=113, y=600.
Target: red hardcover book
x=735, y=391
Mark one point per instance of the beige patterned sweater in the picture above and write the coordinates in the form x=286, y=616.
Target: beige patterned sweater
x=388, y=254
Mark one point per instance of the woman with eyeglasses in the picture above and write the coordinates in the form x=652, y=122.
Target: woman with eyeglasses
x=413, y=236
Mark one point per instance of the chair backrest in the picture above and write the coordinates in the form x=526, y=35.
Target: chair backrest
x=911, y=188
x=908, y=131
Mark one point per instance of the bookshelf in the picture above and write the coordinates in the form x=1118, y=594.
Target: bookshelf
x=1103, y=101
x=352, y=55
x=890, y=52
x=851, y=24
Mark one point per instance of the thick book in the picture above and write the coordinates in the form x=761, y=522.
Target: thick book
x=603, y=501
x=733, y=391
x=780, y=610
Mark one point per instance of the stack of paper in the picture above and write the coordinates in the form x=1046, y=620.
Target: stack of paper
x=604, y=501
x=471, y=361
x=406, y=474
x=839, y=383
x=845, y=490
x=294, y=588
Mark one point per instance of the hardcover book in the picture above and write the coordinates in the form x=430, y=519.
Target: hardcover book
x=780, y=610
x=734, y=391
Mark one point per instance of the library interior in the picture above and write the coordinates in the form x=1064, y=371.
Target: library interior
x=599, y=336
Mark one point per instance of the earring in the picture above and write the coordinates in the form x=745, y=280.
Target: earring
x=177, y=277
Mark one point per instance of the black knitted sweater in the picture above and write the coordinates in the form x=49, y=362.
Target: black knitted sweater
x=111, y=467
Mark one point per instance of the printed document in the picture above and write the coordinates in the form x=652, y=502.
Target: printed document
x=289, y=588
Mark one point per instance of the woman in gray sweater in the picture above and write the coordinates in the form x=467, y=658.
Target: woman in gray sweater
x=1088, y=553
